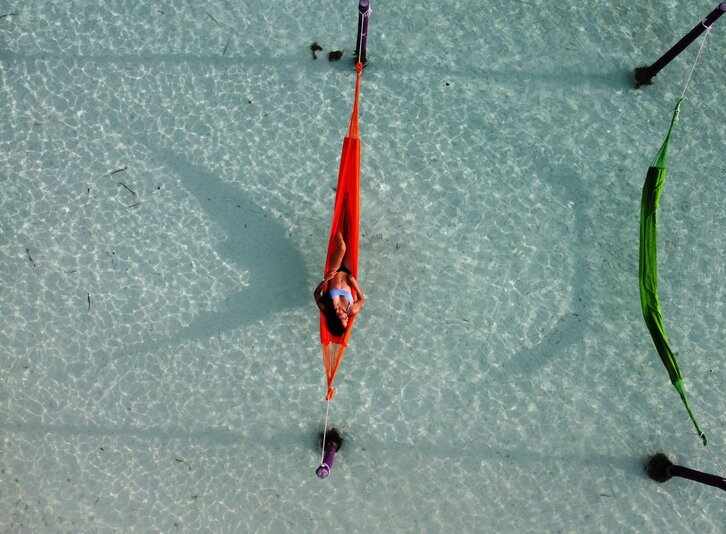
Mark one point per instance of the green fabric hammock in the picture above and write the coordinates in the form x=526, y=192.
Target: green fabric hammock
x=648, y=268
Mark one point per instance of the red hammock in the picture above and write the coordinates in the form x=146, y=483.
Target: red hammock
x=346, y=220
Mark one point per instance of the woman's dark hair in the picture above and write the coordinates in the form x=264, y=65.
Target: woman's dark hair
x=331, y=318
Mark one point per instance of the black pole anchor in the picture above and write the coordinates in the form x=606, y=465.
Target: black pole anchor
x=644, y=75
x=661, y=469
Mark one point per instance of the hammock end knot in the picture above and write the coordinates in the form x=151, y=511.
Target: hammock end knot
x=330, y=394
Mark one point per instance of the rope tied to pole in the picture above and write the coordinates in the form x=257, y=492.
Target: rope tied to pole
x=698, y=58
x=325, y=431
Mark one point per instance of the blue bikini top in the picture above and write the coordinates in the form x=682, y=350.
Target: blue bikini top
x=341, y=293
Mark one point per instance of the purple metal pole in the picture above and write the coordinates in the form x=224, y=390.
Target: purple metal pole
x=333, y=443
x=364, y=13
x=323, y=471
x=644, y=75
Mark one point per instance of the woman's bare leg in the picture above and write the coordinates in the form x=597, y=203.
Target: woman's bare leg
x=337, y=258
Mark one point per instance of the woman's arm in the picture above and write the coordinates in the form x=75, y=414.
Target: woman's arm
x=336, y=259
x=358, y=304
x=318, y=295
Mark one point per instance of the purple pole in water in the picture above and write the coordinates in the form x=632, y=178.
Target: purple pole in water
x=364, y=13
x=644, y=75
x=333, y=442
x=328, y=459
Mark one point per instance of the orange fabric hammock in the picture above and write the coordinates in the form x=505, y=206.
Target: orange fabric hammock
x=346, y=220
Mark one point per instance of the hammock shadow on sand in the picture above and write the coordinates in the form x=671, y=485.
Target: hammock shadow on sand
x=568, y=186
x=254, y=241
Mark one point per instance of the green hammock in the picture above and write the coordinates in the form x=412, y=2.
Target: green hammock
x=648, y=269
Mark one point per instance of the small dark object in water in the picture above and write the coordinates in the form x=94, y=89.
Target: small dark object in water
x=127, y=188
x=122, y=169
x=27, y=251
x=315, y=48
x=335, y=55
x=13, y=14
x=89, y=301
x=641, y=76
x=659, y=468
x=211, y=17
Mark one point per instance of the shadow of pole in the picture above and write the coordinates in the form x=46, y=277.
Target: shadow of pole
x=263, y=435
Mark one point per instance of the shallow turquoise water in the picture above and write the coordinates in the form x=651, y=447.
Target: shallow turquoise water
x=160, y=364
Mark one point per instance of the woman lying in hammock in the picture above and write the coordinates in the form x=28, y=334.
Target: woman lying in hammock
x=339, y=296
